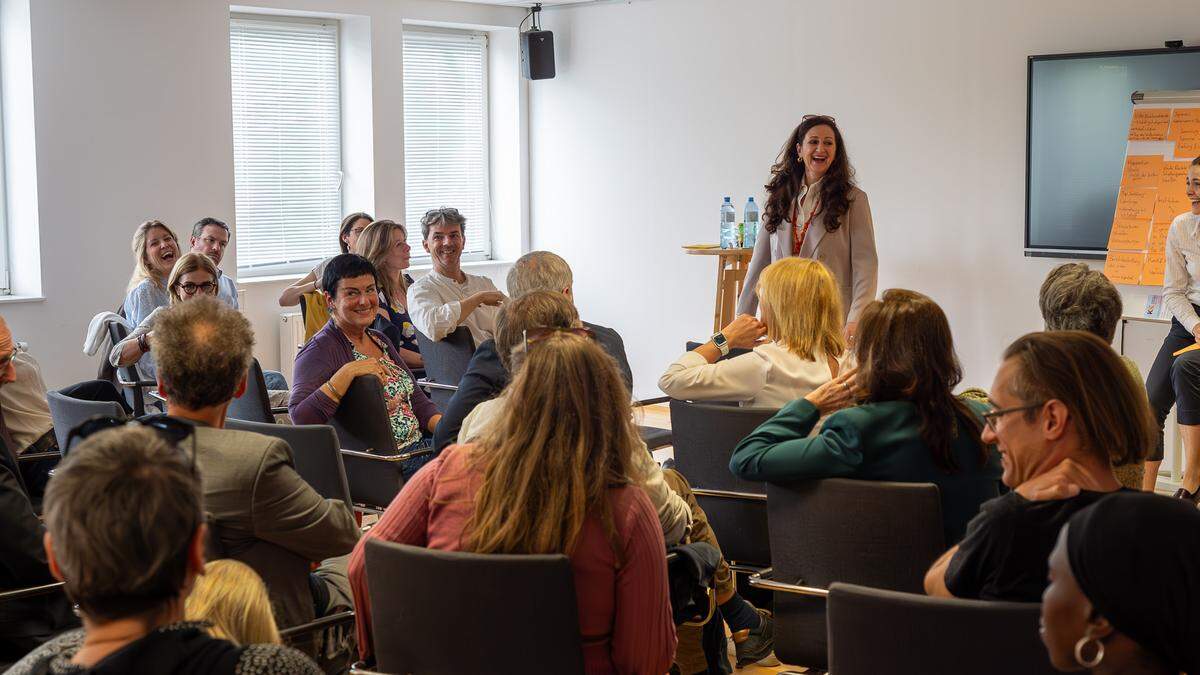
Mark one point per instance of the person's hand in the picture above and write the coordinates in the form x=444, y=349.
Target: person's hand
x=489, y=298
x=851, y=330
x=840, y=392
x=1196, y=332
x=744, y=332
x=1062, y=482
x=341, y=380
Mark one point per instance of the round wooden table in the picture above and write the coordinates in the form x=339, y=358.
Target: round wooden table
x=731, y=273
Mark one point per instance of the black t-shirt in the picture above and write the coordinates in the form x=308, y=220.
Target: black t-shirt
x=1003, y=555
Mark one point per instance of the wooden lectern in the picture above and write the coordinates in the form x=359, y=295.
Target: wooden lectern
x=731, y=273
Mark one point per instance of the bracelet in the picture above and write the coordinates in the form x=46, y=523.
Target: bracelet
x=333, y=391
x=142, y=343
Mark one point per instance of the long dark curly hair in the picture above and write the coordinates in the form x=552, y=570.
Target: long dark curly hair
x=787, y=175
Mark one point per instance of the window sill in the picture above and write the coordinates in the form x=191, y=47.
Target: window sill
x=292, y=278
x=15, y=299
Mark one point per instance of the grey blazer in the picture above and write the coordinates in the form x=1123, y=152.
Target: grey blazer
x=848, y=252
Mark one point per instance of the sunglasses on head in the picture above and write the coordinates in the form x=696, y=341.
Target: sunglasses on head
x=172, y=430
x=831, y=118
x=533, y=336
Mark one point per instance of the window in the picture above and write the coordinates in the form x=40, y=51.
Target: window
x=287, y=153
x=446, y=131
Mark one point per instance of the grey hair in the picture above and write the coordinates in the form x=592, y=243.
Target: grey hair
x=539, y=271
x=1077, y=297
x=443, y=216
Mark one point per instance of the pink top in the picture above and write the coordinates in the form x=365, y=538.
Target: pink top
x=624, y=614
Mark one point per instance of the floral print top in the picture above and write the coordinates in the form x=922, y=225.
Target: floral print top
x=397, y=394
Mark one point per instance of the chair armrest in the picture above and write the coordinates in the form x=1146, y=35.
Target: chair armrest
x=338, y=619
x=651, y=401
x=426, y=384
x=729, y=494
x=46, y=589
x=136, y=383
x=34, y=456
x=416, y=453
x=762, y=580
x=360, y=668
x=387, y=458
x=279, y=410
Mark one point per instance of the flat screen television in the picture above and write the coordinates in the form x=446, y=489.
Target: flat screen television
x=1078, y=121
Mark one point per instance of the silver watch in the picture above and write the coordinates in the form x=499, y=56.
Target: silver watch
x=719, y=340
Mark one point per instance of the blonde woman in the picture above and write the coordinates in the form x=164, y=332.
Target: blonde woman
x=385, y=244
x=233, y=599
x=193, y=276
x=553, y=479
x=803, y=346
x=155, y=249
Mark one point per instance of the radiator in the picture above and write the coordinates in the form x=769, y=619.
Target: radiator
x=291, y=339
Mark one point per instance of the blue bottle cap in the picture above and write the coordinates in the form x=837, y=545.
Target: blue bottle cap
x=752, y=199
x=727, y=199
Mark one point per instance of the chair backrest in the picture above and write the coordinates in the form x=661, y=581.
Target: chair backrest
x=67, y=413
x=314, y=450
x=878, y=631
x=704, y=436
x=496, y=601
x=133, y=395
x=254, y=405
x=361, y=419
x=446, y=361
x=881, y=534
x=315, y=312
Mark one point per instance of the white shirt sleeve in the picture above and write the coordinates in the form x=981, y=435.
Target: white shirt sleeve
x=736, y=379
x=1177, y=281
x=431, y=316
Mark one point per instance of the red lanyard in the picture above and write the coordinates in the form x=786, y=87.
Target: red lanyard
x=799, y=233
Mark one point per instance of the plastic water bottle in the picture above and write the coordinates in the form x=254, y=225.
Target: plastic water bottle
x=750, y=217
x=728, y=217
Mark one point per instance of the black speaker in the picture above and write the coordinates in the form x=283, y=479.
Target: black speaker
x=537, y=54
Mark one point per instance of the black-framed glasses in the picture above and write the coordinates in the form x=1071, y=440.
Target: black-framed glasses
x=208, y=288
x=172, y=430
x=990, y=417
x=533, y=336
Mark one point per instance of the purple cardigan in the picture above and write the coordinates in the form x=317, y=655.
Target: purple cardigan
x=319, y=359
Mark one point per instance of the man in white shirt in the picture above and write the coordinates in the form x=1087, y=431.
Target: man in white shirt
x=448, y=297
x=210, y=237
x=1175, y=380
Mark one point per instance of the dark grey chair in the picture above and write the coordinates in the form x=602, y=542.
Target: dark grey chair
x=705, y=435
x=127, y=376
x=445, y=362
x=254, y=405
x=369, y=449
x=879, y=534
x=875, y=631
x=315, y=451
x=510, y=597
x=67, y=413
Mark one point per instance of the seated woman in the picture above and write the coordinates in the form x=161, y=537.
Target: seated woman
x=233, y=600
x=1095, y=619
x=194, y=276
x=554, y=479
x=909, y=428
x=352, y=226
x=126, y=534
x=1077, y=297
x=385, y=244
x=346, y=348
x=802, y=319
x=155, y=249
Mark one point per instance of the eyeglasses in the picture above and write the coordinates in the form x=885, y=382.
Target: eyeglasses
x=173, y=430
x=831, y=118
x=444, y=212
x=990, y=417
x=533, y=336
x=208, y=287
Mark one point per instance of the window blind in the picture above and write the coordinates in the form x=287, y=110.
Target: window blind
x=286, y=142
x=446, y=132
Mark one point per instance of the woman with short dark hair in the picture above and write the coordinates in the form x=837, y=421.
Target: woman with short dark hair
x=908, y=426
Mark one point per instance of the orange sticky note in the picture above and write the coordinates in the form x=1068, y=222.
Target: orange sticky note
x=1124, y=268
x=1179, y=117
x=1188, y=143
x=1149, y=124
x=1158, y=237
x=1128, y=235
x=1155, y=267
x=1173, y=178
x=1142, y=171
x=1169, y=205
x=1135, y=204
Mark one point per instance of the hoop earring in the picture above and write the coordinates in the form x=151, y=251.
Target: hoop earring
x=1095, y=660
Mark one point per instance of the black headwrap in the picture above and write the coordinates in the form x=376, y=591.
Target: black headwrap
x=1136, y=556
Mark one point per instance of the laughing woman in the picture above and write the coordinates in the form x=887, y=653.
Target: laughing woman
x=156, y=248
x=815, y=210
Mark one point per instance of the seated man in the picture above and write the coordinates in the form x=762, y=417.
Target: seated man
x=1063, y=407
x=210, y=237
x=486, y=376
x=126, y=536
x=448, y=297
x=264, y=513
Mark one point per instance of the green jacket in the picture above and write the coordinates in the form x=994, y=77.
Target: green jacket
x=875, y=441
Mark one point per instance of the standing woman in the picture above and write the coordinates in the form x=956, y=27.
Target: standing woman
x=814, y=210
x=385, y=244
x=155, y=248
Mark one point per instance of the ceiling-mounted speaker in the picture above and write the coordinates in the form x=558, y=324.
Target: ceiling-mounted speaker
x=537, y=54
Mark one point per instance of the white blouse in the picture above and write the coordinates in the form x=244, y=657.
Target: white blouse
x=1181, y=281
x=770, y=376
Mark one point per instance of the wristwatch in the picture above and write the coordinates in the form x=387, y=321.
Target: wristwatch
x=719, y=340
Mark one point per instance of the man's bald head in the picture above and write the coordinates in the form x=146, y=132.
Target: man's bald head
x=202, y=348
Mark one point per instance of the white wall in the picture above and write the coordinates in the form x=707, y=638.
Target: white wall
x=662, y=107
x=133, y=120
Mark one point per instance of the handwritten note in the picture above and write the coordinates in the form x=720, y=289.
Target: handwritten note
x=1188, y=143
x=1142, y=171
x=1155, y=267
x=1158, y=236
x=1128, y=235
x=1149, y=124
x=1167, y=206
x=1124, y=268
x=1180, y=117
x=1135, y=204
x=1173, y=178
